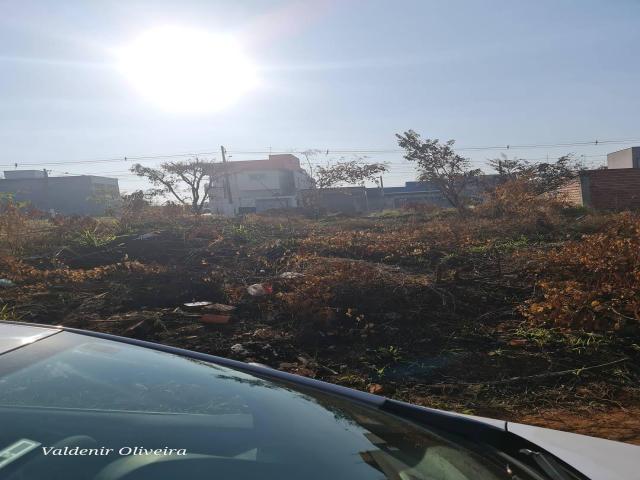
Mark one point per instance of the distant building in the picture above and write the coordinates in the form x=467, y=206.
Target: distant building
x=350, y=200
x=76, y=195
x=615, y=188
x=413, y=193
x=627, y=158
x=354, y=200
x=257, y=185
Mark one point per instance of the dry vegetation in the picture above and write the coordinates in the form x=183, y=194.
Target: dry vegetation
x=523, y=309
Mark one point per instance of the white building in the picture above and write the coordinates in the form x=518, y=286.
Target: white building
x=257, y=185
x=627, y=158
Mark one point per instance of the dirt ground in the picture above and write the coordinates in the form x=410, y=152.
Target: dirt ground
x=382, y=304
x=622, y=424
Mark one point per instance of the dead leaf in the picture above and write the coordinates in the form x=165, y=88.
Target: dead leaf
x=376, y=389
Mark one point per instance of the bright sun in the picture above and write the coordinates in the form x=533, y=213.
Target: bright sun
x=187, y=70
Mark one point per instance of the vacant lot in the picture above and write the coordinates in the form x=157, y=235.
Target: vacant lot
x=528, y=315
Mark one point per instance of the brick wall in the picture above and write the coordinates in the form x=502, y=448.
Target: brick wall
x=616, y=189
x=572, y=192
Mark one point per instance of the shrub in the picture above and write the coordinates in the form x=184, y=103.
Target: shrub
x=592, y=284
x=518, y=198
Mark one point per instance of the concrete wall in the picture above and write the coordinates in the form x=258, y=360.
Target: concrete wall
x=79, y=195
x=350, y=200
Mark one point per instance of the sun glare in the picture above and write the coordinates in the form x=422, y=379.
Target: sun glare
x=187, y=70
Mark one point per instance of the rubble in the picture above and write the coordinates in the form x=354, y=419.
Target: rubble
x=239, y=349
x=259, y=290
x=215, y=319
x=290, y=275
x=220, y=307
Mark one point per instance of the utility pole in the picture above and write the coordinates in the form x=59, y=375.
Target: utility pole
x=225, y=180
x=45, y=190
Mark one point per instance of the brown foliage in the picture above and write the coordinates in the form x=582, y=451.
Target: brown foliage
x=518, y=198
x=21, y=272
x=593, y=283
x=340, y=290
x=13, y=226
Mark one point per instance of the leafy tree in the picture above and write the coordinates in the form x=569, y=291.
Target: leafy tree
x=507, y=167
x=135, y=200
x=544, y=177
x=548, y=177
x=440, y=165
x=350, y=172
x=186, y=181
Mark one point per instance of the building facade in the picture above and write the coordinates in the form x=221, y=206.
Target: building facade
x=76, y=195
x=616, y=187
x=627, y=158
x=257, y=185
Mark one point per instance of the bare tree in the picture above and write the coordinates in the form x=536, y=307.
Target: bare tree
x=308, y=154
x=441, y=166
x=186, y=181
x=356, y=171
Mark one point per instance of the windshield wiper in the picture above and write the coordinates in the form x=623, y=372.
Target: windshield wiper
x=549, y=465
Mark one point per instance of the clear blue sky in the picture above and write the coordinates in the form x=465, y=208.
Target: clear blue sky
x=342, y=74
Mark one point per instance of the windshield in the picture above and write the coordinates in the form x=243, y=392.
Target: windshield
x=93, y=408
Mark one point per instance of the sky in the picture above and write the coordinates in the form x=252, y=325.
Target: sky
x=342, y=75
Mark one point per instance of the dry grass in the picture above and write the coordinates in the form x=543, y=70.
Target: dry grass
x=432, y=307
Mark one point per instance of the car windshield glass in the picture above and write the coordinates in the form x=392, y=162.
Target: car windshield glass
x=82, y=407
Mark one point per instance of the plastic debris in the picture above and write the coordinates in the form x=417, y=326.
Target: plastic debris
x=215, y=319
x=196, y=305
x=6, y=283
x=239, y=349
x=289, y=275
x=259, y=290
x=147, y=236
x=376, y=389
x=220, y=307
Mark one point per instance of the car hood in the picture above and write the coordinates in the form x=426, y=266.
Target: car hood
x=596, y=458
x=15, y=335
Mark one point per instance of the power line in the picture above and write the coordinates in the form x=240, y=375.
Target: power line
x=396, y=166
x=494, y=147
x=328, y=151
